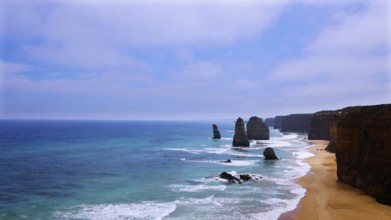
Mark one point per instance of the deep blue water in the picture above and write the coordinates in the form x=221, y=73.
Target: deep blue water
x=142, y=170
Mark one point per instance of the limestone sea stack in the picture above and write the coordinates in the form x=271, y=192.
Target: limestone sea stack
x=240, y=137
x=362, y=139
x=257, y=130
x=216, y=132
x=269, y=154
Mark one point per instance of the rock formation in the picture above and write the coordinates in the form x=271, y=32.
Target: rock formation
x=245, y=177
x=242, y=177
x=269, y=154
x=277, y=122
x=257, y=130
x=269, y=122
x=319, y=128
x=362, y=138
x=295, y=123
x=229, y=177
x=240, y=137
x=216, y=132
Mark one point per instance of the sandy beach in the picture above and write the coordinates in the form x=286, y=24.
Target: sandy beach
x=327, y=198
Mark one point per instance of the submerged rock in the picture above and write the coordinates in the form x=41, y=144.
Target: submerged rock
x=240, y=137
x=269, y=154
x=257, y=130
x=216, y=132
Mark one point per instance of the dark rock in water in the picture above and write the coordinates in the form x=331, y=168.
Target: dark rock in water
x=269, y=154
x=257, y=130
x=362, y=139
x=229, y=177
x=269, y=122
x=216, y=132
x=227, y=161
x=319, y=128
x=245, y=177
x=295, y=123
x=240, y=137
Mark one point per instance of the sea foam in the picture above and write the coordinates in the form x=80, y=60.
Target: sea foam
x=144, y=210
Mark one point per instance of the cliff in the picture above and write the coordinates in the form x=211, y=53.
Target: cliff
x=319, y=127
x=277, y=122
x=257, y=130
x=240, y=138
x=295, y=123
x=362, y=138
x=269, y=122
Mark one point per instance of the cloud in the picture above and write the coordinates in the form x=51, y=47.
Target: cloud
x=10, y=68
x=109, y=34
x=347, y=61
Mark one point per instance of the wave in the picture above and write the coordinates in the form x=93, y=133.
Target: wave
x=196, y=188
x=222, y=150
x=144, y=210
x=199, y=151
x=235, y=163
x=280, y=205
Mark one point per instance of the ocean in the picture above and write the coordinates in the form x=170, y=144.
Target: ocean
x=143, y=170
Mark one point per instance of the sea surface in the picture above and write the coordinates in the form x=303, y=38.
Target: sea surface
x=143, y=170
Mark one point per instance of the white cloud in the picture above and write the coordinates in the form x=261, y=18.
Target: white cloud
x=10, y=68
x=109, y=33
x=347, y=61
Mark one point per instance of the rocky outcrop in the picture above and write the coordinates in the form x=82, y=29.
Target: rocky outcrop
x=216, y=132
x=295, y=123
x=229, y=177
x=257, y=130
x=245, y=177
x=269, y=122
x=277, y=122
x=240, y=137
x=362, y=139
x=319, y=127
x=269, y=154
x=242, y=177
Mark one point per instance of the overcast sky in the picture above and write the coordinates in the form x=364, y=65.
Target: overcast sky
x=191, y=59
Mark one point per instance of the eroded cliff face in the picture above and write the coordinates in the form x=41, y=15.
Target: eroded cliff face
x=319, y=127
x=277, y=122
x=257, y=130
x=295, y=123
x=269, y=122
x=362, y=139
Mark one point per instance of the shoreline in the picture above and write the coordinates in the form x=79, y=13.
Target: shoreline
x=327, y=198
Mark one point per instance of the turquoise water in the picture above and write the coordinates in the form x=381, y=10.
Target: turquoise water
x=142, y=170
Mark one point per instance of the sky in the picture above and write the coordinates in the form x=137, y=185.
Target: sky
x=191, y=59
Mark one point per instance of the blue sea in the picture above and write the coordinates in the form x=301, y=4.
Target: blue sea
x=143, y=170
